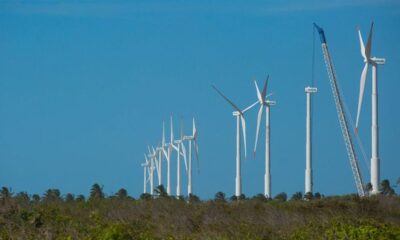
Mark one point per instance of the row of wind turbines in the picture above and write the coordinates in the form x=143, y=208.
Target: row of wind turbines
x=264, y=102
x=153, y=160
x=155, y=157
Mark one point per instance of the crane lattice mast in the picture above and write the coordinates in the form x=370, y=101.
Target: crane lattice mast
x=341, y=114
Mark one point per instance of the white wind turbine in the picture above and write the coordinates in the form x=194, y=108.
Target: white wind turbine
x=168, y=153
x=308, y=188
x=161, y=154
x=374, y=62
x=151, y=155
x=262, y=100
x=192, y=140
x=145, y=166
x=239, y=114
x=179, y=144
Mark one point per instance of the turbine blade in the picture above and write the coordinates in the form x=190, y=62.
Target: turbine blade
x=165, y=153
x=182, y=131
x=264, y=92
x=184, y=156
x=244, y=135
x=194, y=133
x=196, y=148
x=249, y=107
x=172, y=130
x=362, y=87
x=228, y=100
x=258, y=93
x=362, y=45
x=174, y=147
x=163, y=135
x=369, y=43
x=260, y=112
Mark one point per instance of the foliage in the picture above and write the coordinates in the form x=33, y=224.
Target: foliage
x=96, y=192
x=220, y=197
x=386, y=188
x=122, y=193
x=160, y=191
x=297, y=196
x=350, y=230
x=281, y=197
x=308, y=196
x=122, y=217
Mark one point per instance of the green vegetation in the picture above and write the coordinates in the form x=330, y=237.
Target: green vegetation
x=56, y=216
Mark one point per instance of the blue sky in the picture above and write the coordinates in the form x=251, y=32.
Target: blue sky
x=85, y=86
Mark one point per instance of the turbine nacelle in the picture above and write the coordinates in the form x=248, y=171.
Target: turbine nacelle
x=311, y=90
x=236, y=113
x=379, y=61
x=270, y=102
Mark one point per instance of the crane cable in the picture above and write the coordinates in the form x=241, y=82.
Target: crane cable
x=312, y=80
x=359, y=142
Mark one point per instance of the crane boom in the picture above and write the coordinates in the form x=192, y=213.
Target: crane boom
x=341, y=114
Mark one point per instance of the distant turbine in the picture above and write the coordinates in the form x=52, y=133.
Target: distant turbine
x=168, y=153
x=308, y=173
x=239, y=114
x=152, y=157
x=366, y=54
x=262, y=100
x=179, y=143
x=145, y=166
x=192, y=140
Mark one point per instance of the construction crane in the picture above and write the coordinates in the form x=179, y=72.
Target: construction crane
x=341, y=114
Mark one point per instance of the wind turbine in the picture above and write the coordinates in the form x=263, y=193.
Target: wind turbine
x=264, y=102
x=179, y=143
x=374, y=62
x=159, y=164
x=192, y=140
x=145, y=166
x=239, y=114
x=308, y=174
x=152, y=157
x=168, y=153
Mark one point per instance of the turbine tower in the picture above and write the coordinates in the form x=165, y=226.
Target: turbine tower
x=151, y=156
x=374, y=62
x=192, y=140
x=308, y=174
x=168, y=153
x=239, y=114
x=145, y=166
x=262, y=100
x=179, y=143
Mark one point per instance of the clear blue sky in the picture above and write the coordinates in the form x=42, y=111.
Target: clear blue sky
x=85, y=86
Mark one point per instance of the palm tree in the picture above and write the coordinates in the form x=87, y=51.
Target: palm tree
x=318, y=195
x=80, y=198
x=308, y=196
x=386, y=188
x=96, y=192
x=160, y=191
x=220, y=197
x=35, y=198
x=22, y=197
x=52, y=195
x=69, y=197
x=193, y=198
x=5, y=193
x=122, y=194
x=297, y=196
x=281, y=197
